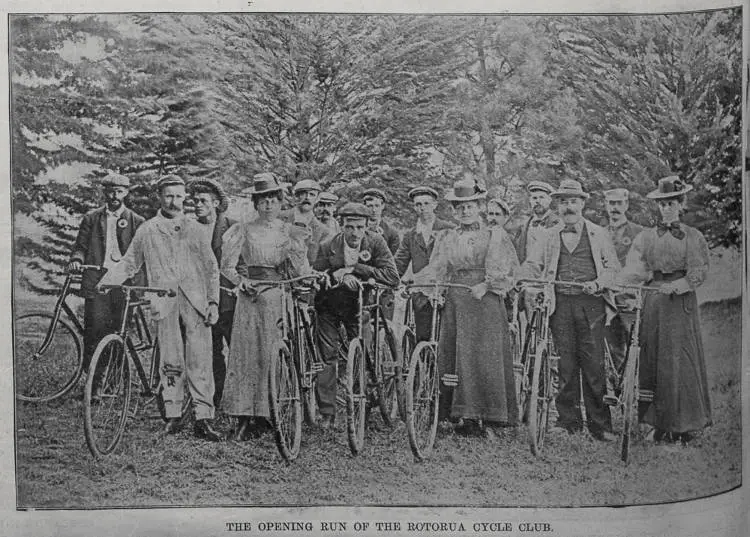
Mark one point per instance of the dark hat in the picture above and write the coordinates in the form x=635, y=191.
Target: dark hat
x=352, y=209
x=373, y=193
x=305, y=185
x=328, y=197
x=502, y=203
x=423, y=191
x=570, y=188
x=539, y=186
x=214, y=187
x=169, y=180
x=115, y=179
x=466, y=190
x=616, y=194
x=265, y=182
x=669, y=187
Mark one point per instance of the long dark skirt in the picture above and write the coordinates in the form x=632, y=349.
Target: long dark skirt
x=475, y=345
x=673, y=365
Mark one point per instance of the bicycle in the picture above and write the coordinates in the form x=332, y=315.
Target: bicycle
x=422, y=388
x=380, y=358
x=48, y=369
x=293, y=368
x=516, y=331
x=107, y=396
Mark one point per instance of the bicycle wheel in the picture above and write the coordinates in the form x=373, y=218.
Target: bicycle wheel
x=356, y=396
x=390, y=382
x=408, y=343
x=516, y=352
x=286, y=405
x=304, y=350
x=107, y=395
x=523, y=373
x=629, y=403
x=541, y=385
x=422, y=398
x=44, y=376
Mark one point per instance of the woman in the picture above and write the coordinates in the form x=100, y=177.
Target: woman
x=474, y=334
x=271, y=250
x=673, y=257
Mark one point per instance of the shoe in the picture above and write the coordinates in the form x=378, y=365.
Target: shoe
x=241, y=430
x=173, y=425
x=204, y=430
x=259, y=426
x=327, y=422
x=604, y=436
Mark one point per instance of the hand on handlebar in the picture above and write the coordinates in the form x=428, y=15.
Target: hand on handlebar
x=74, y=266
x=592, y=287
x=479, y=290
x=350, y=281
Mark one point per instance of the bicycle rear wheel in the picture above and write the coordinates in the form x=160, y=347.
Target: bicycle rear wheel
x=629, y=404
x=45, y=376
x=390, y=382
x=408, y=343
x=541, y=393
x=356, y=396
x=286, y=405
x=422, y=398
x=107, y=396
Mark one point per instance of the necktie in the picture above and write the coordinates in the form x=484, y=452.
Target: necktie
x=674, y=228
x=474, y=226
x=569, y=228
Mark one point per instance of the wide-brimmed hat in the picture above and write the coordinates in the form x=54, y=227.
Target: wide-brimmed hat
x=502, y=203
x=670, y=187
x=265, y=182
x=539, y=186
x=214, y=187
x=466, y=190
x=115, y=179
x=328, y=197
x=169, y=180
x=570, y=188
x=357, y=210
x=305, y=185
x=373, y=193
x=616, y=194
x=423, y=191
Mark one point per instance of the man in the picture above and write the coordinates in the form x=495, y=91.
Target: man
x=497, y=213
x=211, y=203
x=324, y=211
x=541, y=219
x=306, y=193
x=355, y=254
x=578, y=250
x=622, y=231
x=416, y=248
x=177, y=254
x=103, y=238
x=374, y=199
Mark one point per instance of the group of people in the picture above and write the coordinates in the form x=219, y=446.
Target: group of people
x=204, y=257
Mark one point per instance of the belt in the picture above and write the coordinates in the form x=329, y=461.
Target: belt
x=262, y=272
x=660, y=276
x=469, y=276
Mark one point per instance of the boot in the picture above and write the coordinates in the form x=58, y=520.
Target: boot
x=204, y=430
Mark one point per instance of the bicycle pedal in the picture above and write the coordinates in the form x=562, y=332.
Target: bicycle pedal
x=646, y=395
x=449, y=380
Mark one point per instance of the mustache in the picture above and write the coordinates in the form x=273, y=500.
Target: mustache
x=568, y=211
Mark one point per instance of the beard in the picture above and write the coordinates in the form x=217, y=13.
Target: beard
x=539, y=209
x=114, y=204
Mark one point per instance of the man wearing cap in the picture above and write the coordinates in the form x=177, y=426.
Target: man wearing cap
x=375, y=199
x=578, y=250
x=354, y=255
x=541, y=219
x=306, y=192
x=103, y=238
x=416, y=248
x=497, y=213
x=324, y=210
x=177, y=255
x=211, y=203
x=623, y=232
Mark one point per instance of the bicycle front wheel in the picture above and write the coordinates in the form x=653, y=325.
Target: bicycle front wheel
x=422, y=398
x=107, y=396
x=356, y=396
x=540, y=396
x=390, y=381
x=286, y=405
x=45, y=374
x=629, y=404
x=408, y=343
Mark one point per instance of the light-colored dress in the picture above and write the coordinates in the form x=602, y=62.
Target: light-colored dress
x=270, y=254
x=474, y=338
x=672, y=364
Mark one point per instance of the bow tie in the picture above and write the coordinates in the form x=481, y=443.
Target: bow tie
x=470, y=227
x=569, y=228
x=537, y=223
x=673, y=228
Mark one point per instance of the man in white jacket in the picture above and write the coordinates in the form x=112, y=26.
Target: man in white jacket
x=178, y=256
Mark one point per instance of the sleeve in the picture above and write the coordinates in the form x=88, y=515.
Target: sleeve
x=383, y=270
x=394, y=241
x=230, y=252
x=82, y=240
x=697, y=259
x=212, y=272
x=636, y=269
x=294, y=251
x=321, y=261
x=437, y=269
x=129, y=265
x=403, y=256
x=501, y=263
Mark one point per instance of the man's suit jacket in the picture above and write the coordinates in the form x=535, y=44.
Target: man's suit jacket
x=375, y=261
x=542, y=262
x=389, y=234
x=623, y=237
x=414, y=250
x=520, y=238
x=227, y=300
x=319, y=233
x=91, y=243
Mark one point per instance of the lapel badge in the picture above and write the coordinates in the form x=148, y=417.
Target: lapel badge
x=122, y=223
x=364, y=256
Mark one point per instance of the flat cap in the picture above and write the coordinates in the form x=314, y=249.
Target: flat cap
x=328, y=197
x=373, y=193
x=115, y=179
x=616, y=194
x=212, y=186
x=423, y=191
x=169, y=180
x=537, y=186
x=305, y=185
x=357, y=210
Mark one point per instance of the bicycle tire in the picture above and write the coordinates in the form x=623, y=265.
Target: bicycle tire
x=40, y=378
x=356, y=396
x=286, y=405
x=422, y=400
x=629, y=405
x=408, y=344
x=541, y=384
x=305, y=350
x=107, y=396
x=390, y=381
x=516, y=353
x=523, y=377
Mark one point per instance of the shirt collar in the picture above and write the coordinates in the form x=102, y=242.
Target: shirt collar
x=117, y=213
x=618, y=226
x=541, y=218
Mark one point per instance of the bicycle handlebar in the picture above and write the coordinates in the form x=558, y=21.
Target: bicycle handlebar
x=436, y=284
x=550, y=282
x=129, y=288
x=83, y=267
